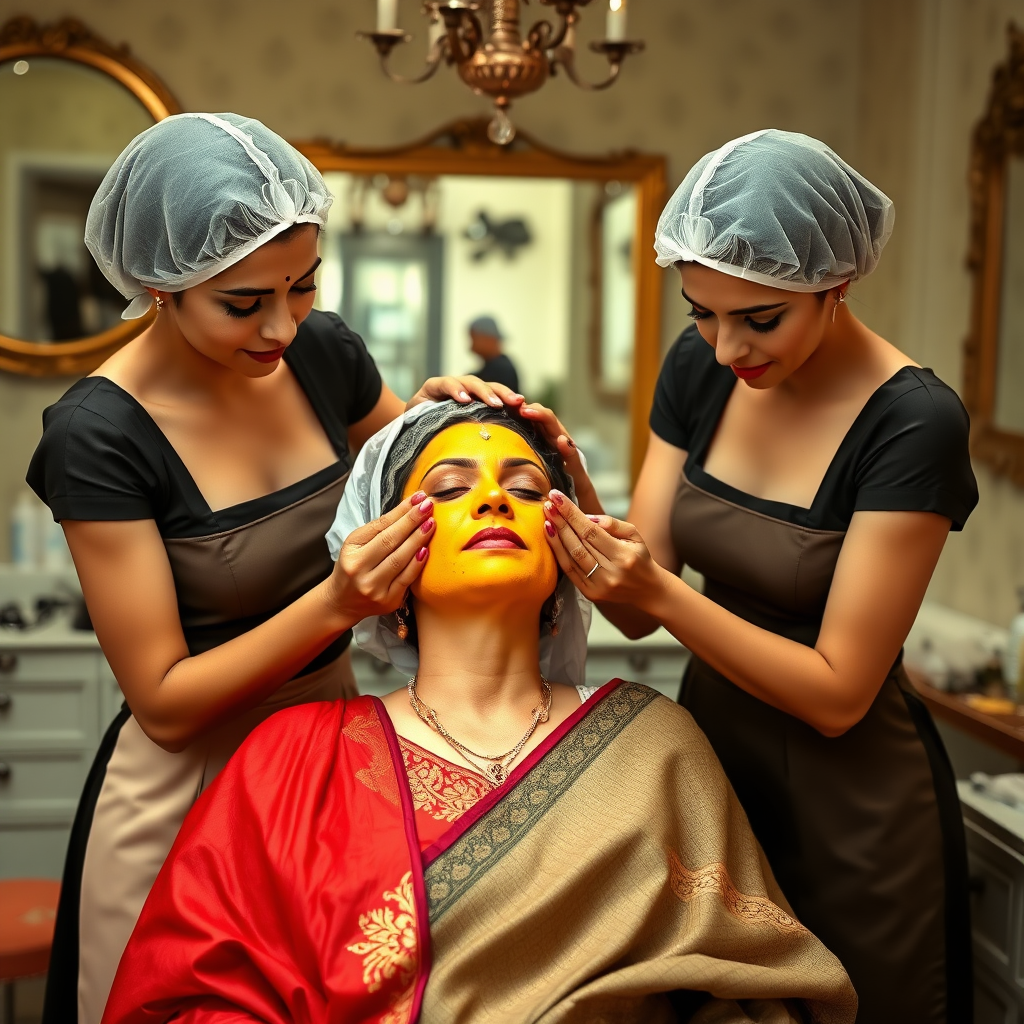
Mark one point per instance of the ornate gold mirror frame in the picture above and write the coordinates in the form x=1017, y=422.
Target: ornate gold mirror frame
x=997, y=138
x=462, y=148
x=22, y=38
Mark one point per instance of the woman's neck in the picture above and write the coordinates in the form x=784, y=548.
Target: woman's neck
x=481, y=663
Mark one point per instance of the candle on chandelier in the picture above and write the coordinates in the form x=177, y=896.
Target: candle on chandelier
x=615, y=21
x=387, y=15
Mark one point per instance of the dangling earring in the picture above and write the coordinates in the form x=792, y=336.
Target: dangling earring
x=556, y=610
x=403, y=629
x=841, y=298
x=160, y=304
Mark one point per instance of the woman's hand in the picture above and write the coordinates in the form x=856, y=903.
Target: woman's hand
x=605, y=558
x=558, y=436
x=464, y=390
x=379, y=562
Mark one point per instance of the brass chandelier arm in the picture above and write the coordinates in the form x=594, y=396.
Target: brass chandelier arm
x=565, y=56
x=385, y=42
x=465, y=34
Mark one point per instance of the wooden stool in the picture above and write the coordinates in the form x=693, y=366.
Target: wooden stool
x=28, y=907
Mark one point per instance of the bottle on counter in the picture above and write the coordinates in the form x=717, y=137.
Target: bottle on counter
x=25, y=531
x=1013, y=659
x=54, y=554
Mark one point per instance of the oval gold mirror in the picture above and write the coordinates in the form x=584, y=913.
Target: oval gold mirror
x=69, y=103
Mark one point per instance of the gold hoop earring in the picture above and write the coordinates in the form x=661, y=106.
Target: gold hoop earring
x=160, y=304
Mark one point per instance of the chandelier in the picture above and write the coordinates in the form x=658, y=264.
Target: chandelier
x=503, y=65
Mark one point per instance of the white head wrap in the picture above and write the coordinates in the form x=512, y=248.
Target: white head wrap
x=192, y=196
x=777, y=208
x=563, y=657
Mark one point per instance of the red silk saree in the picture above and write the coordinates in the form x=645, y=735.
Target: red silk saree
x=613, y=877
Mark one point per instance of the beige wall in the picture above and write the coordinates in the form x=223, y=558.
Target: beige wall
x=893, y=85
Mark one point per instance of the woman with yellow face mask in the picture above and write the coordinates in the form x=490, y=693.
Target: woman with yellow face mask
x=496, y=841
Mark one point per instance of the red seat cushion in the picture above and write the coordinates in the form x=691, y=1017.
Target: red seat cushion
x=28, y=907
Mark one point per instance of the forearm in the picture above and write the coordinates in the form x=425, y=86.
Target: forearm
x=631, y=622
x=199, y=692
x=783, y=673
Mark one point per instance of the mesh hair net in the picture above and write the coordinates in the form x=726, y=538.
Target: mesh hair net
x=192, y=196
x=376, y=477
x=777, y=208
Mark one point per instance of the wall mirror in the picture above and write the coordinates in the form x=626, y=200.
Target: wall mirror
x=994, y=351
x=557, y=249
x=69, y=103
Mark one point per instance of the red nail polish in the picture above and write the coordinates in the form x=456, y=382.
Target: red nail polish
x=421, y=554
x=594, y=519
x=550, y=529
x=570, y=442
x=426, y=506
x=549, y=508
x=556, y=497
x=418, y=497
x=428, y=525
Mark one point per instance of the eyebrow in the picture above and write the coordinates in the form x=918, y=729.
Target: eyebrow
x=745, y=311
x=251, y=292
x=473, y=463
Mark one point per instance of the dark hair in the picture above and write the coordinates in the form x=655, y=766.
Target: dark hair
x=417, y=435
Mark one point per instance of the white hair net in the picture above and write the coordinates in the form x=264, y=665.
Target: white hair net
x=563, y=657
x=777, y=208
x=192, y=196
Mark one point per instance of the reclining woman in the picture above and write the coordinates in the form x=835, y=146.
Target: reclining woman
x=369, y=860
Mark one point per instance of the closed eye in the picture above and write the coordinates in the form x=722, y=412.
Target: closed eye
x=765, y=326
x=448, y=493
x=699, y=314
x=243, y=311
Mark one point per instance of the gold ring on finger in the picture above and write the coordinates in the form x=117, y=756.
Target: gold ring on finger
x=597, y=565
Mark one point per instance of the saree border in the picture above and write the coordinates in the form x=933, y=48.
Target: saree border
x=484, y=804
x=412, y=839
x=515, y=809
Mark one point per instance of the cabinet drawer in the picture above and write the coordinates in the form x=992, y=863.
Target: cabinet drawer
x=997, y=902
x=33, y=850
x=47, y=714
x=35, y=786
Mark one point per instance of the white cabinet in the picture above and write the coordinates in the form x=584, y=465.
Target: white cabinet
x=51, y=719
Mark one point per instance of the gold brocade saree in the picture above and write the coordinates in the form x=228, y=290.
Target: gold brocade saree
x=614, y=868
x=612, y=878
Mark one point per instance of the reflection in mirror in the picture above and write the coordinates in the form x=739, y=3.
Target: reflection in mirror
x=410, y=262
x=1008, y=413
x=62, y=124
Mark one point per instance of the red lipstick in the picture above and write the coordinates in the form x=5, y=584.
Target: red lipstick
x=496, y=537
x=750, y=372
x=269, y=356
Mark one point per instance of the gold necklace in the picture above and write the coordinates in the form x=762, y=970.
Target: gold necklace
x=496, y=768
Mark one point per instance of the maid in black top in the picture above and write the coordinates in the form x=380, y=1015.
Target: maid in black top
x=195, y=474
x=811, y=472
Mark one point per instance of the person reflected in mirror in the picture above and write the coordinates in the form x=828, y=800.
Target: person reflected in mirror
x=496, y=841
x=486, y=341
x=811, y=472
x=194, y=474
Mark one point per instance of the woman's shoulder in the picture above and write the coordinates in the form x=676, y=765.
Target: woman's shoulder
x=915, y=397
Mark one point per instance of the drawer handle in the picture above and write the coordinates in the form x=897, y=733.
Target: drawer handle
x=639, y=662
x=5, y=771
x=6, y=700
x=8, y=662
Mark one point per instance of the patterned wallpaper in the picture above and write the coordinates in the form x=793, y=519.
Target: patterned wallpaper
x=893, y=85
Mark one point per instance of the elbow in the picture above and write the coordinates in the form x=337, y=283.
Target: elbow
x=637, y=631
x=835, y=722
x=169, y=736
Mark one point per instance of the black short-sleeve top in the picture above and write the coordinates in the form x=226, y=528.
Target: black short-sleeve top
x=907, y=450
x=103, y=457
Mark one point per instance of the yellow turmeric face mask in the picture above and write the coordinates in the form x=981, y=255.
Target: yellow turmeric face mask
x=488, y=487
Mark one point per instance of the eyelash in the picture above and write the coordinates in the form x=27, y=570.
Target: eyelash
x=761, y=328
x=523, y=493
x=244, y=311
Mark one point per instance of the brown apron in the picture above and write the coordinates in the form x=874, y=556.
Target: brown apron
x=226, y=583
x=862, y=831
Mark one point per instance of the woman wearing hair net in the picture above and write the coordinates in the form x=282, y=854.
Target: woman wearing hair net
x=811, y=472
x=195, y=474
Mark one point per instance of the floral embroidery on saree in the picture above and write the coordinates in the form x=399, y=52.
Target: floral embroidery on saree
x=390, y=950
x=440, y=789
x=713, y=879
x=379, y=775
